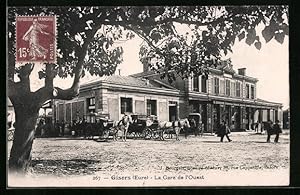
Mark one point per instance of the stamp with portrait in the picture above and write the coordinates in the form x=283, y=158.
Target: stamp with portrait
x=35, y=39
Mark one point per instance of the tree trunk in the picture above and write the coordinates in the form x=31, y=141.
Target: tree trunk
x=20, y=155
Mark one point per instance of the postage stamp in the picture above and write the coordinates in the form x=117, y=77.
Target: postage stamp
x=35, y=39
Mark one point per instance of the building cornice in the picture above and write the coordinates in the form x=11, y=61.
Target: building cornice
x=112, y=86
x=233, y=100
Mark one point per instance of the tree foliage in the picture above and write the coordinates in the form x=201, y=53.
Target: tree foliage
x=211, y=32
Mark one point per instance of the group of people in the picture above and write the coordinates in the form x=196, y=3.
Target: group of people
x=272, y=129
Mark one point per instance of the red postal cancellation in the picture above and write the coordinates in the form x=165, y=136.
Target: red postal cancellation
x=36, y=39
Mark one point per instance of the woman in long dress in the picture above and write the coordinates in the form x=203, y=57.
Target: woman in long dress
x=32, y=36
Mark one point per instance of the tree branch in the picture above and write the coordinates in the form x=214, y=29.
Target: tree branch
x=49, y=76
x=11, y=87
x=145, y=38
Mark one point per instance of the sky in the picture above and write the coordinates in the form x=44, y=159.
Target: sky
x=270, y=65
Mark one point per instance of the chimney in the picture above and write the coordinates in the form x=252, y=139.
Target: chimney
x=119, y=70
x=242, y=71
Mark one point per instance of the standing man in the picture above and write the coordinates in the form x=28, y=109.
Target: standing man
x=224, y=131
x=269, y=129
x=62, y=128
x=277, y=130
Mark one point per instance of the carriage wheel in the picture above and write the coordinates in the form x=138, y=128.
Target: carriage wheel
x=143, y=134
x=166, y=135
x=148, y=134
x=133, y=134
x=105, y=134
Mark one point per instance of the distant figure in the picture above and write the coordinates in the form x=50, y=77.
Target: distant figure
x=269, y=129
x=63, y=128
x=83, y=126
x=224, y=130
x=124, y=124
x=56, y=128
x=277, y=130
x=256, y=126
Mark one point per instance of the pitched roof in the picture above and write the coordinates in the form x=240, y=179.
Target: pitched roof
x=122, y=80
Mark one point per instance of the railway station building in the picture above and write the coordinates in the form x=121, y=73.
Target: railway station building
x=224, y=95
x=116, y=95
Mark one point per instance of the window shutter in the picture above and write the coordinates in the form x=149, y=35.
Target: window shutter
x=232, y=87
x=212, y=85
x=222, y=87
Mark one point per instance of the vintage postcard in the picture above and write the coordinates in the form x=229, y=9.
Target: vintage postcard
x=153, y=96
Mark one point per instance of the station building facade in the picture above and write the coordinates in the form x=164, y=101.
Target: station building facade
x=116, y=95
x=223, y=95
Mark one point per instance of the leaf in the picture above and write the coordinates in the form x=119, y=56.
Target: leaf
x=204, y=33
x=250, y=40
x=267, y=33
x=251, y=36
x=156, y=36
x=279, y=37
x=241, y=36
x=257, y=45
x=285, y=29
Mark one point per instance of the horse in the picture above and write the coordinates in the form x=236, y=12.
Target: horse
x=178, y=125
x=124, y=125
x=170, y=127
x=112, y=130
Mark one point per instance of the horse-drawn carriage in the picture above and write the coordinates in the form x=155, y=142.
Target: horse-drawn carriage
x=138, y=127
x=196, y=124
x=145, y=126
x=93, y=125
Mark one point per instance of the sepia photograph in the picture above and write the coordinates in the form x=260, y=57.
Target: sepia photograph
x=147, y=96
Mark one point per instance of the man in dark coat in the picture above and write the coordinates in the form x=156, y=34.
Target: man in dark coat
x=269, y=128
x=224, y=131
x=63, y=128
x=277, y=130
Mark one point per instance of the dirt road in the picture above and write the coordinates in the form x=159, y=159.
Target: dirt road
x=248, y=153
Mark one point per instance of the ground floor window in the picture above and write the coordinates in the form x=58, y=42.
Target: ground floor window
x=126, y=105
x=151, y=107
x=91, y=104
